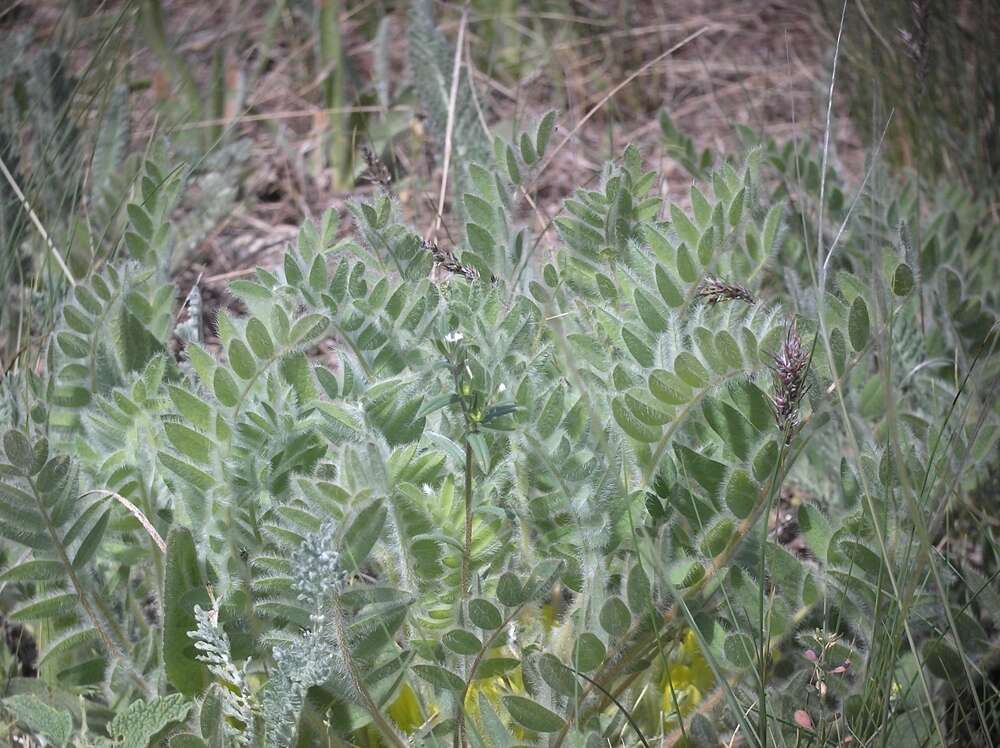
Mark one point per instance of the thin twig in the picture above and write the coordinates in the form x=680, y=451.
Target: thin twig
x=135, y=512
x=857, y=196
x=610, y=94
x=621, y=708
x=543, y=219
x=212, y=279
x=450, y=127
x=38, y=224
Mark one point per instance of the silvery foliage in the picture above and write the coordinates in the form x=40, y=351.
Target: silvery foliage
x=212, y=643
x=311, y=658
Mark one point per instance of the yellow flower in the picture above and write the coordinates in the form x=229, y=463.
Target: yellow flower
x=686, y=679
x=493, y=689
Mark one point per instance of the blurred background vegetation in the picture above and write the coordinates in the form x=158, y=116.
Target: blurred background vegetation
x=264, y=109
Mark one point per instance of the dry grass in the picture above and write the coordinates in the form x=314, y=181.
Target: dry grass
x=762, y=64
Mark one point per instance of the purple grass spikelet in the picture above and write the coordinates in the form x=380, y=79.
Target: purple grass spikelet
x=445, y=259
x=714, y=290
x=790, y=366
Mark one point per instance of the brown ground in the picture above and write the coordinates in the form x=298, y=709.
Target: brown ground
x=763, y=63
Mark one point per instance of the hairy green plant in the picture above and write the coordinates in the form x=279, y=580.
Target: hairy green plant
x=530, y=503
x=73, y=198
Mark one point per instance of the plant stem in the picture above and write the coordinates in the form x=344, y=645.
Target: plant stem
x=390, y=733
x=113, y=639
x=633, y=645
x=621, y=708
x=460, y=721
x=466, y=553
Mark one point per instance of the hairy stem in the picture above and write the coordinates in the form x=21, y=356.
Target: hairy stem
x=390, y=733
x=113, y=639
x=466, y=553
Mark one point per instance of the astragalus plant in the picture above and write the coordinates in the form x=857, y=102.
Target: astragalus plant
x=535, y=497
